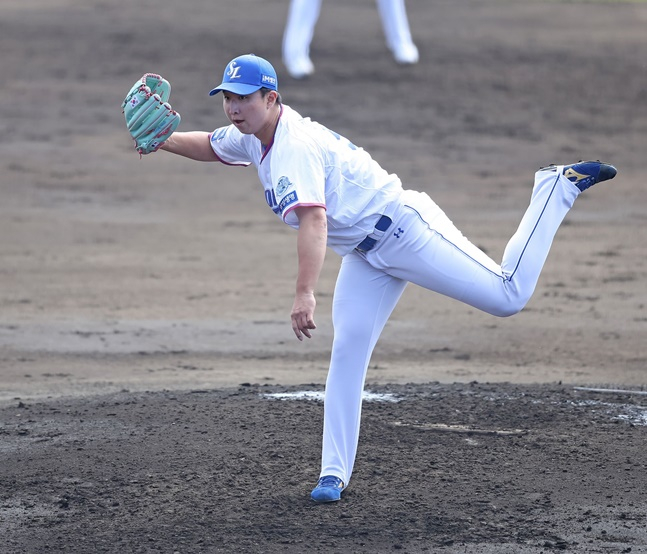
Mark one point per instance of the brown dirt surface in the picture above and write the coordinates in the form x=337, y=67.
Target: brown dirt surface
x=144, y=322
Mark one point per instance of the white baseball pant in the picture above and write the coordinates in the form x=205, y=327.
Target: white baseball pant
x=423, y=246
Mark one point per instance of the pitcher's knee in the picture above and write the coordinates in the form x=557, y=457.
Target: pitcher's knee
x=506, y=312
x=353, y=336
x=508, y=309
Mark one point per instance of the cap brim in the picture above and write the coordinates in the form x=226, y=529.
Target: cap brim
x=236, y=88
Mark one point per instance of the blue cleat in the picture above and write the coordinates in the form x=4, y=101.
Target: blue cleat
x=586, y=174
x=328, y=489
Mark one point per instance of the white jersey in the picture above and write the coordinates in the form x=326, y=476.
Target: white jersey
x=309, y=165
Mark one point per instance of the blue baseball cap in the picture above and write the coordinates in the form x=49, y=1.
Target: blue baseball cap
x=247, y=74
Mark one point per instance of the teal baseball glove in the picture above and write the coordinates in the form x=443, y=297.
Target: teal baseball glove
x=149, y=117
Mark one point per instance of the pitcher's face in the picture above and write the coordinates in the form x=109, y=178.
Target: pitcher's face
x=249, y=114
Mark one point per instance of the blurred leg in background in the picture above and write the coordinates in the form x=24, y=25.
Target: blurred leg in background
x=299, y=30
x=395, y=22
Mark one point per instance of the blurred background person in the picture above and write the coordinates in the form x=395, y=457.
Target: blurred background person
x=300, y=26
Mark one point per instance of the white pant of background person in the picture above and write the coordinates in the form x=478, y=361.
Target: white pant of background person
x=423, y=246
x=300, y=27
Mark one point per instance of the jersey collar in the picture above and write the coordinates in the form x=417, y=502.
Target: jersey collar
x=265, y=148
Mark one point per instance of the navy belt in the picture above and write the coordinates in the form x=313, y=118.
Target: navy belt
x=371, y=240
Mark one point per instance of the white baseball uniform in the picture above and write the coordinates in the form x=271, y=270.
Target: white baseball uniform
x=309, y=165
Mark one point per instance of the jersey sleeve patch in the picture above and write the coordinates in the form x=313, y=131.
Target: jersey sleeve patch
x=288, y=200
x=283, y=186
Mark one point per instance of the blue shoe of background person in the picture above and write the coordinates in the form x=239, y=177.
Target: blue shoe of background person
x=586, y=174
x=328, y=489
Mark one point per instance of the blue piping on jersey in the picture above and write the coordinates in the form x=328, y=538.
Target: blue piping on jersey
x=503, y=277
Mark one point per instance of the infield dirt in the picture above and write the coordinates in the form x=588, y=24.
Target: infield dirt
x=145, y=303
